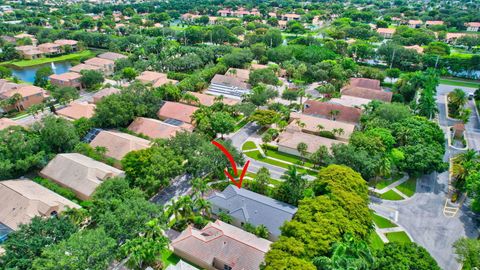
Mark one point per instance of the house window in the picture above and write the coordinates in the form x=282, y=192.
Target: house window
x=227, y=267
x=241, y=224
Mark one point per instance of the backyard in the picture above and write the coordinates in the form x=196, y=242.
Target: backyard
x=39, y=61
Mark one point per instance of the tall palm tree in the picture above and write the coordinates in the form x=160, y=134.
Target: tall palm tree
x=334, y=113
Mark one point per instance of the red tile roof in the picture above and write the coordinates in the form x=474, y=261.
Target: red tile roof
x=324, y=109
x=177, y=111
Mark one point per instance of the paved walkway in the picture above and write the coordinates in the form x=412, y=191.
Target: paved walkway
x=392, y=185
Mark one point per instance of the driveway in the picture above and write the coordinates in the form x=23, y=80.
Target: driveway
x=180, y=186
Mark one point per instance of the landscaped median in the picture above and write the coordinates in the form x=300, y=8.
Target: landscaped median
x=388, y=231
x=399, y=187
x=276, y=158
x=45, y=60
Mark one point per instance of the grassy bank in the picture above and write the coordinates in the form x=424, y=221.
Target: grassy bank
x=45, y=60
x=460, y=82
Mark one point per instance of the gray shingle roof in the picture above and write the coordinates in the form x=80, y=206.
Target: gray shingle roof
x=254, y=208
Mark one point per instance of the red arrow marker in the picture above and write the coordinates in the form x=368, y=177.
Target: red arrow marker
x=234, y=166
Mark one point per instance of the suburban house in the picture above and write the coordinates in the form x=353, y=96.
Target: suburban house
x=367, y=89
x=350, y=101
x=22, y=200
x=79, y=173
x=228, y=86
x=72, y=44
x=78, y=68
x=31, y=95
x=432, y=23
x=77, y=110
x=68, y=79
x=242, y=74
x=189, y=17
x=103, y=93
x=25, y=35
x=282, y=25
x=112, y=56
x=452, y=37
x=119, y=144
x=181, y=265
x=290, y=17
x=332, y=111
x=157, y=79
x=288, y=141
x=177, y=111
x=240, y=12
x=209, y=100
x=7, y=122
x=314, y=125
x=221, y=246
x=473, y=26
x=386, y=32
x=417, y=48
x=245, y=206
x=157, y=129
x=29, y=52
x=415, y=23
x=50, y=48
x=107, y=66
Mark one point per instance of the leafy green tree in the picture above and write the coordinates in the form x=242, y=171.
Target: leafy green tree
x=404, y=256
x=64, y=94
x=222, y=123
x=261, y=181
x=468, y=252
x=265, y=75
x=264, y=117
x=41, y=76
x=129, y=73
x=262, y=231
x=5, y=72
x=58, y=135
x=151, y=169
x=91, y=79
x=292, y=189
x=261, y=94
x=302, y=148
x=86, y=249
x=25, y=244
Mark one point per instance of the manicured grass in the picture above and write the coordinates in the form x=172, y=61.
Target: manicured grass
x=464, y=83
x=383, y=222
x=386, y=182
x=242, y=123
x=248, y=145
x=35, y=62
x=169, y=258
x=401, y=237
x=252, y=175
x=409, y=187
x=391, y=195
x=375, y=241
x=288, y=158
x=258, y=156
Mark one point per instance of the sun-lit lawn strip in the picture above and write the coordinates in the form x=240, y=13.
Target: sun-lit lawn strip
x=409, y=187
x=383, y=222
x=168, y=257
x=401, y=237
x=375, y=241
x=391, y=195
x=288, y=158
x=386, y=182
x=39, y=61
x=248, y=145
x=240, y=124
x=272, y=181
x=258, y=156
x=471, y=84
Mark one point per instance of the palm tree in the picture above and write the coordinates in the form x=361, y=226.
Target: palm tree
x=190, y=99
x=218, y=98
x=456, y=101
x=302, y=149
x=262, y=231
x=300, y=124
x=320, y=127
x=334, y=113
x=199, y=187
x=463, y=165
x=338, y=131
x=14, y=101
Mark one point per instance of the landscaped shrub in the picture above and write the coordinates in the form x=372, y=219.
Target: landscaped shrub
x=64, y=192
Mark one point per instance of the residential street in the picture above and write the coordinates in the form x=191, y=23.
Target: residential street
x=423, y=214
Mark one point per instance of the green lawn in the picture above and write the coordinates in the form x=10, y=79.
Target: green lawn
x=459, y=82
x=401, y=237
x=258, y=156
x=169, y=258
x=375, y=241
x=386, y=182
x=391, y=195
x=382, y=222
x=248, y=145
x=288, y=158
x=409, y=187
x=35, y=62
x=240, y=124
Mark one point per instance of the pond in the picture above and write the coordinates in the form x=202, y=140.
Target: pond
x=27, y=74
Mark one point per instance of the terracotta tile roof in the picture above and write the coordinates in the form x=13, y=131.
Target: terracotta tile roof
x=63, y=42
x=242, y=74
x=48, y=45
x=386, y=30
x=112, y=56
x=324, y=109
x=6, y=85
x=21, y=200
x=178, y=111
x=224, y=244
x=119, y=144
x=99, y=62
x=311, y=125
x=7, y=122
x=150, y=76
x=416, y=22
x=77, y=110
x=418, y=49
x=454, y=35
x=290, y=139
x=68, y=76
x=367, y=89
x=24, y=35
x=79, y=173
x=209, y=100
x=103, y=93
x=473, y=24
x=229, y=81
x=156, y=129
x=25, y=90
x=78, y=68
